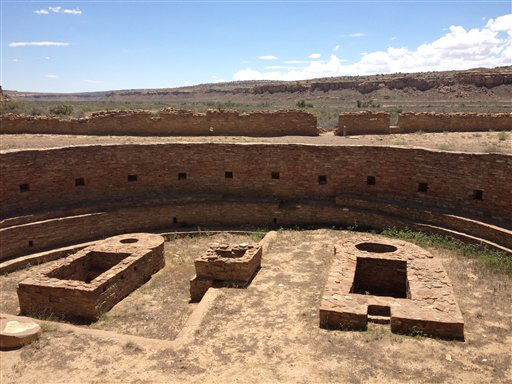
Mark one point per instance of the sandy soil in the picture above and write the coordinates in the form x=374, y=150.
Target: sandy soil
x=269, y=333
x=496, y=142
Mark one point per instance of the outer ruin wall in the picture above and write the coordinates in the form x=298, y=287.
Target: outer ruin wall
x=169, y=122
x=453, y=122
x=52, y=196
x=363, y=123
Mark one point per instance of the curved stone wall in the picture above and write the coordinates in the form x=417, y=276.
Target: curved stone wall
x=60, y=196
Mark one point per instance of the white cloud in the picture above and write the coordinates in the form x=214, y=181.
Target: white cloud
x=356, y=34
x=268, y=57
x=315, y=56
x=459, y=48
x=220, y=81
x=394, y=37
x=47, y=57
x=76, y=11
x=72, y=11
x=52, y=76
x=336, y=48
x=37, y=44
x=93, y=81
x=15, y=60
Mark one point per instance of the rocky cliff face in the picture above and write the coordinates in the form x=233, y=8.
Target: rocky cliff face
x=484, y=79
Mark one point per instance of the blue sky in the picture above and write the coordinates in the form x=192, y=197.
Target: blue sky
x=65, y=46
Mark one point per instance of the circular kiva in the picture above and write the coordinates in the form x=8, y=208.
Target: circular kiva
x=49, y=200
x=17, y=331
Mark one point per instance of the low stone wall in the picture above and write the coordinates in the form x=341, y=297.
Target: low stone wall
x=169, y=122
x=363, y=123
x=378, y=123
x=453, y=122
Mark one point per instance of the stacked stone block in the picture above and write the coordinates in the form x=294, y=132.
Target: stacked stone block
x=225, y=264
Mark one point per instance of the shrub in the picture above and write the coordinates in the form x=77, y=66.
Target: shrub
x=62, y=109
x=301, y=104
x=367, y=104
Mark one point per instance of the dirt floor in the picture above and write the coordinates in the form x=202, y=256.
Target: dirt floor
x=157, y=310
x=269, y=332
x=489, y=142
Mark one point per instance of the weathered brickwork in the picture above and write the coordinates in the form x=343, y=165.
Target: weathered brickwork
x=378, y=123
x=453, y=122
x=62, y=196
x=363, y=123
x=225, y=263
x=94, y=279
x=169, y=122
x=389, y=282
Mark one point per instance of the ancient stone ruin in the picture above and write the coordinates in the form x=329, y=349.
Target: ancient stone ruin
x=169, y=122
x=93, y=280
x=390, y=282
x=232, y=265
x=379, y=123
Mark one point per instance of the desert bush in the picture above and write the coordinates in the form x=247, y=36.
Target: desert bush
x=367, y=104
x=62, y=109
x=502, y=136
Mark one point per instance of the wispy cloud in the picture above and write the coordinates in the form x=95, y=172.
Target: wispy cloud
x=52, y=76
x=47, y=57
x=296, y=62
x=394, y=37
x=93, y=81
x=72, y=11
x=315, y=56
x=76, y=11
x=336, y=48
x=355, y=34
x=267, y=57
x=37, y=44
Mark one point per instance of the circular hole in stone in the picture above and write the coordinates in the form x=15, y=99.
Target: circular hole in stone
x=376, y=247
x=129, y=241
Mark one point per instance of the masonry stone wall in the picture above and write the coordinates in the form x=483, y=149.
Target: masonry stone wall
x=169, y=122
x=363, y=123
x=64, y=289
x=51, y=197
x=453, y=122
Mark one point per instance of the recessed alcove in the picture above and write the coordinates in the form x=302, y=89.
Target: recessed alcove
x=380, y=277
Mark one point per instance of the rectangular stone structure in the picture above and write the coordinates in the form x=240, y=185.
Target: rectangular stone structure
x=225, y=263
x=91, y=281
x=389, y=281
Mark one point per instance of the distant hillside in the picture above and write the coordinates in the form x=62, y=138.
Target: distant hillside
x=466, y=84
